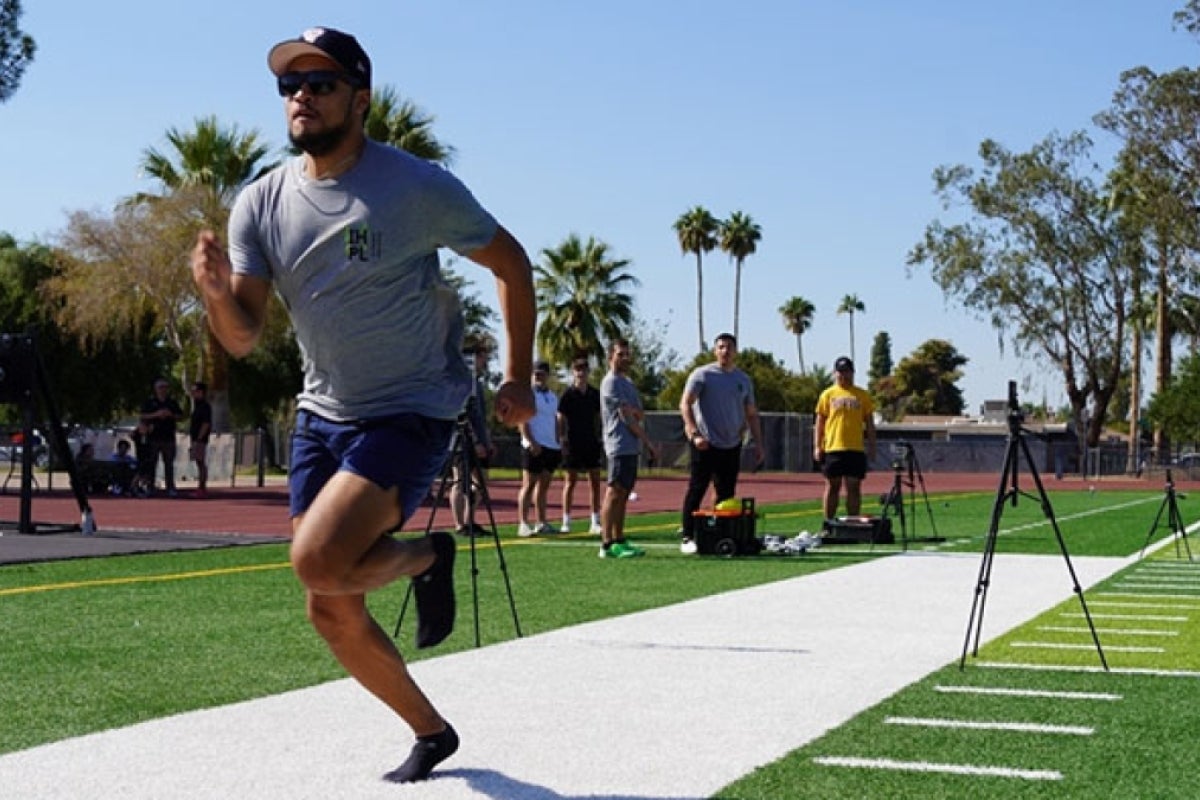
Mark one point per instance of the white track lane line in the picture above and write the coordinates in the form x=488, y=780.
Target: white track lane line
x=949, y=769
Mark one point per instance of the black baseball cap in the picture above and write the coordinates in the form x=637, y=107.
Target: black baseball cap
x=542, y=366
x=343, y=48
x=843, y=364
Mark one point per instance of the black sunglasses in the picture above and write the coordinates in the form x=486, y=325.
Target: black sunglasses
x=319, y=82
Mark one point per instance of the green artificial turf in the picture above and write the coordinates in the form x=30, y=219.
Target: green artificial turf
x=98, y=643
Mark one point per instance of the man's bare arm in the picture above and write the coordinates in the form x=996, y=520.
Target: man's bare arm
x=236, y=304
x=507, y=260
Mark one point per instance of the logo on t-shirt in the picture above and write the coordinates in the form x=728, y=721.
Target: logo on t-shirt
x=362, y=244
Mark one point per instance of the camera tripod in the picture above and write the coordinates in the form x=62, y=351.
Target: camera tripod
x=894, y=499
x=1009, y=491
x=1174, y=521
x=464, y=470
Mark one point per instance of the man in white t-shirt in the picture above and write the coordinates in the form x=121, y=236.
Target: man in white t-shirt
x=541, y=454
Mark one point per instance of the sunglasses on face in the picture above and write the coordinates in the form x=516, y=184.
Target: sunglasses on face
x=320, y=82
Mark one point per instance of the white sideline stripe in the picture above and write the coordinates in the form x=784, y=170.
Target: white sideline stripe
x=993, y=690
x=987, y=725
x=1145, y=584
x=951, y=769
x=1113, y=631
x=1122, y=604
x=1157, y=673
x=1147, y=596
x=1108, y=648
x=1142, y=617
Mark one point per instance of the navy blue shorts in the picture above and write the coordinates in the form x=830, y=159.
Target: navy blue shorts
x=406, y=450
x=623, y=471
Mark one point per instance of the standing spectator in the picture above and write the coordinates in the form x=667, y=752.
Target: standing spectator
x=540, y=455
x=143, y=478
x=476, y=412
x=161, y=413
x=582, y=450
x=844, y=439
x=199, y=429
x=348, y=234
x=624, y=433
x=717, y=408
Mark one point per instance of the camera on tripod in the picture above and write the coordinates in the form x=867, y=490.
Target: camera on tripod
x=902, y=454
x=1014, y=408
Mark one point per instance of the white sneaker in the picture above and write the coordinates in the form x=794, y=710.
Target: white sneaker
x=688, y=547
x=596, y=529
x=525, y=531
x=566, y=527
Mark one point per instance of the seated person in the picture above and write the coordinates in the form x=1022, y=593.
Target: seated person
x=124, y=469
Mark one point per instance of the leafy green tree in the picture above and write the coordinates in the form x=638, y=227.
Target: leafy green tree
x=584, y=299
x=401, y=123
x=1157, y=116
x=83, y=393
x=925, y=382
x=881, y=359
x=851, y=305
x=697, y=233
x=1175, y=408
x=653, y=360
x=797, y=315
x=16, y=49
x=739, y=237
x=1039, y=255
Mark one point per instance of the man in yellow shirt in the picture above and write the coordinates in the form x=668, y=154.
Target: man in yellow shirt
x=844, y=420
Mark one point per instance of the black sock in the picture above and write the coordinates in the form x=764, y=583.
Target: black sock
x=427, y=753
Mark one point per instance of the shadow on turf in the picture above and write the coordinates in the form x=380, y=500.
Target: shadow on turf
x=498, y=785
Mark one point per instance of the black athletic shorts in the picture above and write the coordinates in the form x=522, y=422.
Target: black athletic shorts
x=545, y=461
x=583, y=458
x=845, y=464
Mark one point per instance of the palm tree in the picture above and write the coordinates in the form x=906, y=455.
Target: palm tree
x=697, y=232
x=213, y=163
x=219, y=160
x=739, y=238
x=403, y=124
x=797, y=318
x=850, y=305
x=582, y=299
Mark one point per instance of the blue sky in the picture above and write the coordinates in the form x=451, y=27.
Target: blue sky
x=821, y=120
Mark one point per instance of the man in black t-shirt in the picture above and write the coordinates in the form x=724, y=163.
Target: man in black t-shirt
x=161, y=413
x=198, y=431
x=579, y=432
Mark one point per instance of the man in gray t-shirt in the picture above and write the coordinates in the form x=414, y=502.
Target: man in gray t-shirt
x=348, y=236
x=717, y=408
x=622, y=417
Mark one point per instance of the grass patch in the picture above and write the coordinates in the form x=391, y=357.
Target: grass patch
x=1142, y=725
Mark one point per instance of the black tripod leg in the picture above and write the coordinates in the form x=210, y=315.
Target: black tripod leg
x=487, y=504
x=1062, y=546
x=1163, y=506
x=1180, y=530
x=975, y=621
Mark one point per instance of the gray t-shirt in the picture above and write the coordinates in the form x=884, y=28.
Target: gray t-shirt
x=721, y=399
x=616, y=391
x=355, y=260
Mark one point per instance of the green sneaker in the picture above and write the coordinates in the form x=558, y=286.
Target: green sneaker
x=616, y=550
x=630, y=548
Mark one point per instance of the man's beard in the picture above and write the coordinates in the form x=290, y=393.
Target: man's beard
x=323, y=143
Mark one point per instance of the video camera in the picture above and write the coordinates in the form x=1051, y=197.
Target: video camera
x=902, y=453
x=1015, y=415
